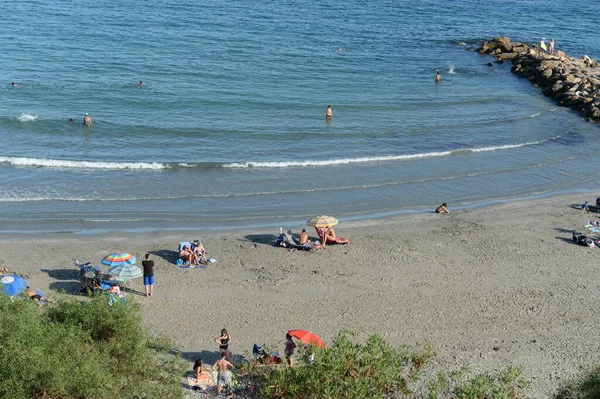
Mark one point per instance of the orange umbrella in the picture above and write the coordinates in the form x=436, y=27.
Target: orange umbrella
x=307, y=336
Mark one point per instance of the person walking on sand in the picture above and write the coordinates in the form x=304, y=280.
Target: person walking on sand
x=222, y=367
x=290, y=347
x=551, y=47
x=87, y=121
x=224, y=340
x=148, y=265
x=328, y=113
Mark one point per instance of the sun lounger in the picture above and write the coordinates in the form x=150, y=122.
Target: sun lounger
x=288, y=240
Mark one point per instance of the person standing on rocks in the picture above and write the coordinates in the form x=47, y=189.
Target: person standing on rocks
x=551, y=46
x=543, y=44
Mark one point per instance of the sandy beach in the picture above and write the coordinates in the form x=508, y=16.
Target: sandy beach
x=489, y=287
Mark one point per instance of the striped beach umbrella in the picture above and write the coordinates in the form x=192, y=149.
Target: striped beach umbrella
x=125, y=271
x=12, y=284
x=322, y=221
x=118, y=258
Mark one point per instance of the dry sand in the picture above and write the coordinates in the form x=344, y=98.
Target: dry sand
x=489, y=287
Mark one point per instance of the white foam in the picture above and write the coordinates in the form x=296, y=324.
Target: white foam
x=450, y=68
x=60, y=163
x=27, y=117
x=345, y=161
x=534, y=115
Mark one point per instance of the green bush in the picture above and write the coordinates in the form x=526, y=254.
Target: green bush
x=583, y=387
x=82, y=350
x=375, y=370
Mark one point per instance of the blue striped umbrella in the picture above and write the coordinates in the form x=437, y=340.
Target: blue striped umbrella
x=13, y=284
x=125, y=271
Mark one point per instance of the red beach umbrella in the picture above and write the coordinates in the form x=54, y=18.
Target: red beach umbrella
x=307, y=336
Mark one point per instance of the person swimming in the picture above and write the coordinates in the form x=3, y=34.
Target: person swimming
x=13, y=84
x=438, y=77
x=329, y=113
x=141, y=84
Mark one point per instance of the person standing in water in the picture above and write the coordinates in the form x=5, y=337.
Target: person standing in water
x=438, y=77
x=87, y=121
x=328, y=113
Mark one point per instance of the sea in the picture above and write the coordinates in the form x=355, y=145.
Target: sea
x=228, y=131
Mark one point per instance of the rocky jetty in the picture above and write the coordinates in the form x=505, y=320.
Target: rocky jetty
x=571, y=82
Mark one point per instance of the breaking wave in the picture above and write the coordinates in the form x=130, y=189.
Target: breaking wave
x=75, y=164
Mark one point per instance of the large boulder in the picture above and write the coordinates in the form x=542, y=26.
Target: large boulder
x=502, y=40
x=507, y=56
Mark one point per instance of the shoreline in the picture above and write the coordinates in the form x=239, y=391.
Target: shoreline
x=489, y=287
x=90, y=228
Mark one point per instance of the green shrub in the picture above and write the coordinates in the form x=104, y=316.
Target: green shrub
x=375, y=369
x=583, y=387
x=82, y=350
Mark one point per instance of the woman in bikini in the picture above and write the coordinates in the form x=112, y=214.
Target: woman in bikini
x=224, y=340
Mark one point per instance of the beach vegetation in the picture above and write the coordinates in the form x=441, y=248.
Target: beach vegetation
x=586, y=386
x=376, y=369
x=83, y=349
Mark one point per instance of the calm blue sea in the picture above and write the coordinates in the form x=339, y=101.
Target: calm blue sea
x=228, y=130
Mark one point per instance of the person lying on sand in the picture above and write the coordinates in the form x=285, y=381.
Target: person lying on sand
x=442, y=208
x=37, y=298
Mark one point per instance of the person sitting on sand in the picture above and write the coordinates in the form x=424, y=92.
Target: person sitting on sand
x=303, y=238
x=442, y=208
x=200, y=251
x=87, y=121
x=203, y=377
x=188, y=256
x=37, y=298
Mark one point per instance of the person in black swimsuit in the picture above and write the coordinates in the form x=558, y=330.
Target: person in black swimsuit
x=224, y=340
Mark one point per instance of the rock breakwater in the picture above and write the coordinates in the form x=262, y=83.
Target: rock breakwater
x=571, y=82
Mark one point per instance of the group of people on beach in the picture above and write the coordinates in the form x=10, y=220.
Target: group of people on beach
x=221, y=366
x=196, y=255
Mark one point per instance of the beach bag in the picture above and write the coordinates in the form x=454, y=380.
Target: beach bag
x=179, y=261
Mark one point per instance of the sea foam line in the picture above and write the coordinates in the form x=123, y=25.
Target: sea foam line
x=345, y=161
x=61, y=163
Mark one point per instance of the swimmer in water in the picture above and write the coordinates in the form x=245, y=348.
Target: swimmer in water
x=70, y=120
x=13, y=84
x=141, y=84
x=328, y=113
x=438, y=77
x=87, y=121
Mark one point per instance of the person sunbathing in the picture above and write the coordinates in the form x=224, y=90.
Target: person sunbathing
x=328, y=236
x=188, y=256
x=34, y=296
x=200, y=252
x=303, y=238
